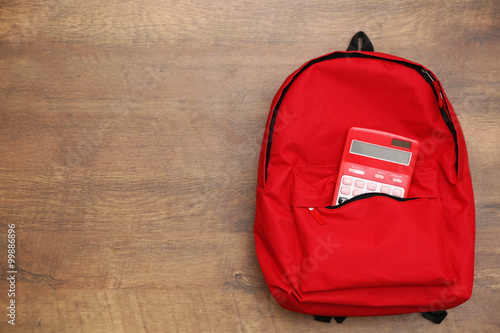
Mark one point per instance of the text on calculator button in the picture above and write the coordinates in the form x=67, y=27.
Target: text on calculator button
x=359, y=183
x=347, y=181
x=345, y=190
x=385, y=189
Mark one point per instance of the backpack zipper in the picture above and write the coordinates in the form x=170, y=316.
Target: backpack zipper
x=421, y=70
x=369, y=195
x=321, y=221
x=437, y=87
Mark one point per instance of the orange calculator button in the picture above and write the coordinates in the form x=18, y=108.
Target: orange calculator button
x=357, y=171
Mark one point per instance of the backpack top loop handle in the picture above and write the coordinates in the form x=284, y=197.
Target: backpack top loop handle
x=360, y=42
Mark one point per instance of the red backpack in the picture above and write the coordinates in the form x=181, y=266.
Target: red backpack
x=373, y=254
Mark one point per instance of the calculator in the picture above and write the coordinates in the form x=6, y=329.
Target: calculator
x=375, y=162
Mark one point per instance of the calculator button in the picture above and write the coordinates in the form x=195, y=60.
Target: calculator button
x=347, y=181
x=356, y=192
x=397, y=192
x=385, y=189
x=397, y=180
x=371, y=186
x=379, y=176
x=345, y=190
x=356, y=171
x=359, y=183
x=341, y=200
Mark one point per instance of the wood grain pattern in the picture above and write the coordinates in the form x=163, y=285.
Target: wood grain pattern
x=129, y=142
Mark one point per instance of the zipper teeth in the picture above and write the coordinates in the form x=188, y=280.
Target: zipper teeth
x=423, y=72
x=428, y=74
x=369, y=195
x=433, y=81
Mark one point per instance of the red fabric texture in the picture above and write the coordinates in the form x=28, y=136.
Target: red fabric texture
x=374, y=256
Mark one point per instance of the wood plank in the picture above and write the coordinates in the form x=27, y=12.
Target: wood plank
x=129, y=140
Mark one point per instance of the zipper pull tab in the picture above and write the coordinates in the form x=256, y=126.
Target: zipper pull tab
x=428, y=74
x=437, y=86
x=440, y=93
x=317, y=216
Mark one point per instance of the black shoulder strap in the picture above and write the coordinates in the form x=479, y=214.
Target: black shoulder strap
x=323, y=319
x=435, y=316
x=360, y=42
x=328, y=319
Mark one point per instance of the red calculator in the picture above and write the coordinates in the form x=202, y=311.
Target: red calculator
x=375, y=162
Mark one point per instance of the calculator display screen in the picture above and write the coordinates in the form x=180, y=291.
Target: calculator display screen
x=380, y=152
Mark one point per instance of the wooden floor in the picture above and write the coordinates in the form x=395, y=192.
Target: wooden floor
x=129, y=140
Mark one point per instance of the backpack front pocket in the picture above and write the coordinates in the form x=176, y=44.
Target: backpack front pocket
x=376, y=241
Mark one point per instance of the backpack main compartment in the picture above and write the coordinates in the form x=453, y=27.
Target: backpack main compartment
x=377, y=255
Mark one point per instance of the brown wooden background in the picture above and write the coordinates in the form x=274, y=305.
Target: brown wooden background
x=129, y=139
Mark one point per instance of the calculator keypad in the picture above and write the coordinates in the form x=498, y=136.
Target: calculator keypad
x=353, y=186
